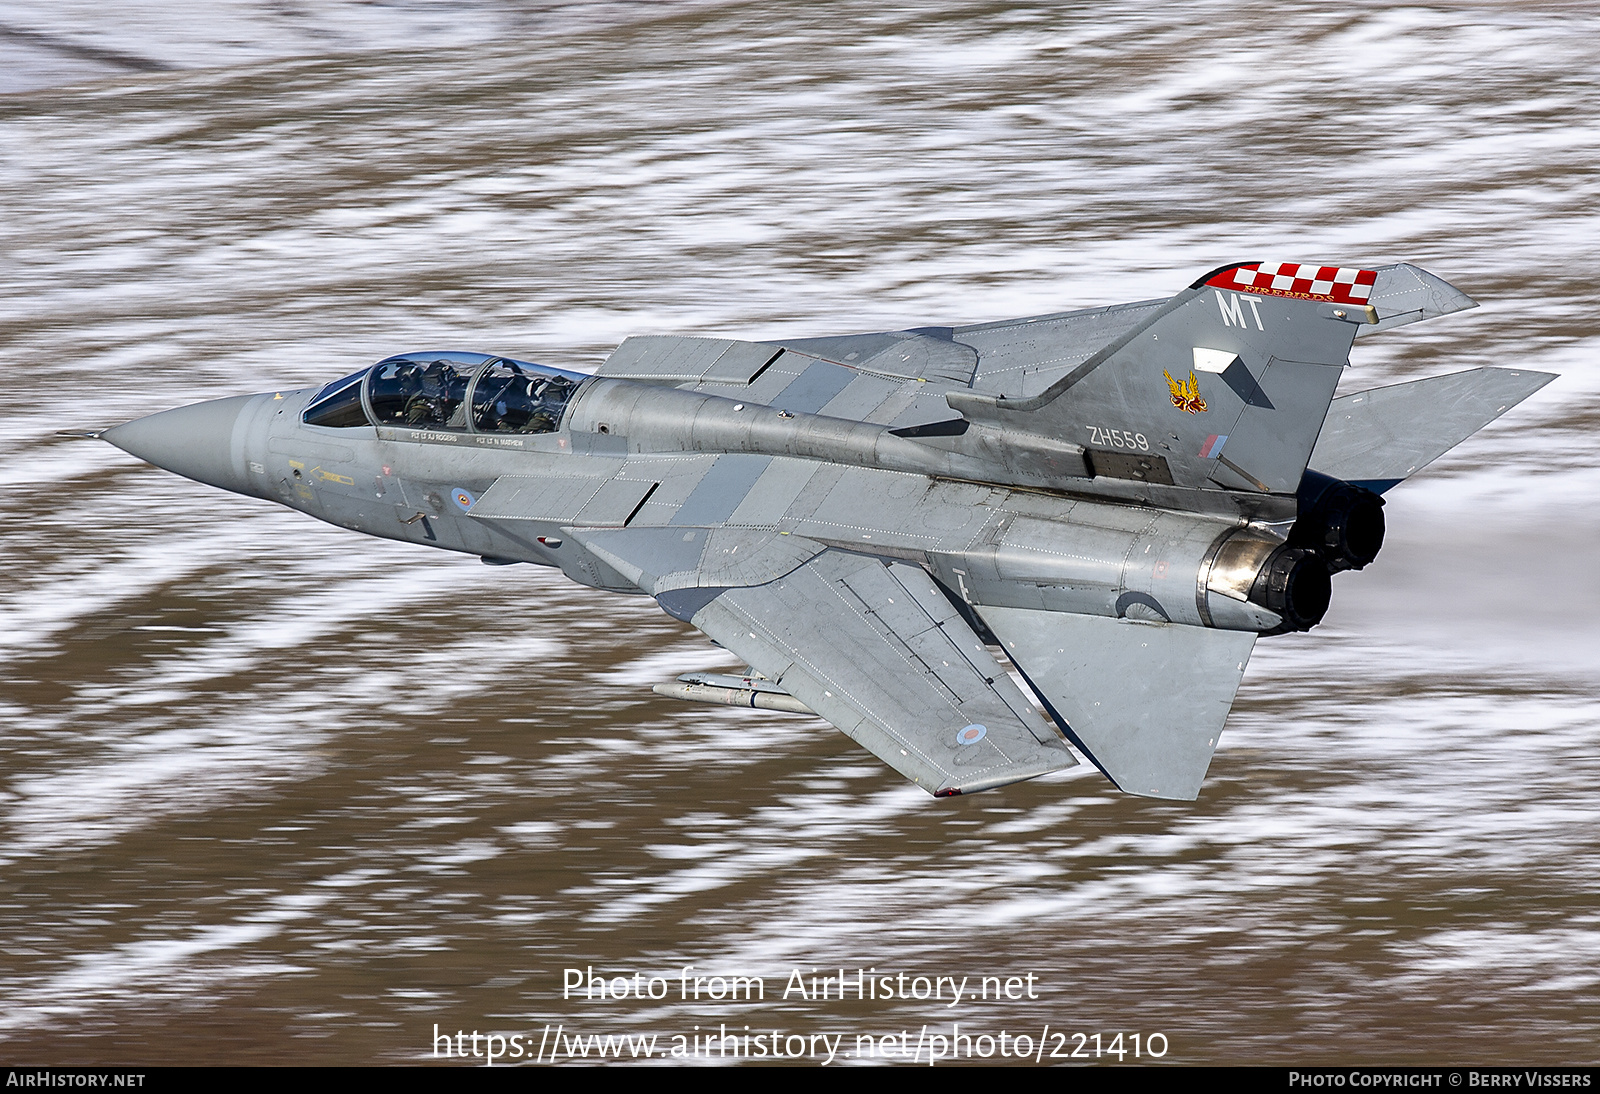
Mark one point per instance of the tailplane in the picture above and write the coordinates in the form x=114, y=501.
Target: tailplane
x=1381, y=437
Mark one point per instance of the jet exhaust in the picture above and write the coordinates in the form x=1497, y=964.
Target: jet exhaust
x=1294, y=584
x=1339, y=520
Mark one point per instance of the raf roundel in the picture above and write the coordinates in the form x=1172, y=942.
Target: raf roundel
x=463, y=499
x=971, y=735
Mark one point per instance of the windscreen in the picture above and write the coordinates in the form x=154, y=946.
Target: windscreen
x=338, y=406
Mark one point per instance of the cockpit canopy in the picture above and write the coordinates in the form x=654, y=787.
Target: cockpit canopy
x=471, y=392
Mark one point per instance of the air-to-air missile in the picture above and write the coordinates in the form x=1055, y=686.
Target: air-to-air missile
x=1115, y=502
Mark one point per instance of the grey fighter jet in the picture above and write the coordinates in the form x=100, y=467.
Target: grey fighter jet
x=1119, y=500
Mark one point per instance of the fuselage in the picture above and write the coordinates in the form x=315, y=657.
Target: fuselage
x=459, y=464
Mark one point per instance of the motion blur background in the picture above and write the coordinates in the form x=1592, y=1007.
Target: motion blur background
x=276, y=793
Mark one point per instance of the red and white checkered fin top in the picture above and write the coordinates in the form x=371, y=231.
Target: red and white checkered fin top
x=1337, y=284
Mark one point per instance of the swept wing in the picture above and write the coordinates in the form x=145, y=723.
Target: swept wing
x=876, y=649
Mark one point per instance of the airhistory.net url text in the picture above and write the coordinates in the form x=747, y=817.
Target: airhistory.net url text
x=554, y=1044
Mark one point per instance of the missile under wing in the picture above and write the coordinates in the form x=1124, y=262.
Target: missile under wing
x=1114, y=503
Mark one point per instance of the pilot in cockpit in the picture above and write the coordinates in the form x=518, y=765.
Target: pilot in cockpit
x=430, y=402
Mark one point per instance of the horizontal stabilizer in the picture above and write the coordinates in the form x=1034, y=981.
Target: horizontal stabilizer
x=1383, y=436
x=875, y=648
x=1145, y=701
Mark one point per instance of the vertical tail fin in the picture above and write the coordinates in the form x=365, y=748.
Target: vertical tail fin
x=1226, y=387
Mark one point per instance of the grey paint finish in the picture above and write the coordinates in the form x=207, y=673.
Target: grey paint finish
x=910, y=354
x=189, y=441
x=846, y=349
x=774, y=492
x=1146, y=701
x=285, y=446
x=762, y=388
x=814, y=388
x=641, y=554
x=1390, y=433
x=1140, y=385
x=869, y=509
x=676, y=359
x=661, y=560
x=1019, y=358
x=1271, y=440
x=853, y=639
x=721, y=490
x=862, y=398
x=560, y=500
x=676, y=476
x=1115, y=562
x=926, y=358
x=1405, y=294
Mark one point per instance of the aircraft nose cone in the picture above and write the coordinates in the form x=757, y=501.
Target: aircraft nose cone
x=196, y=441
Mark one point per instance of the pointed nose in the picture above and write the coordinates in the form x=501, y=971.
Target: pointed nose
x=200, y=442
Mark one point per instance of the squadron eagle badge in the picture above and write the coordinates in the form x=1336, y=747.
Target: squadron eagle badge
x=1186, y=396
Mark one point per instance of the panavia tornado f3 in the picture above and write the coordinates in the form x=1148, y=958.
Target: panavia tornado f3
x=1121, y=500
